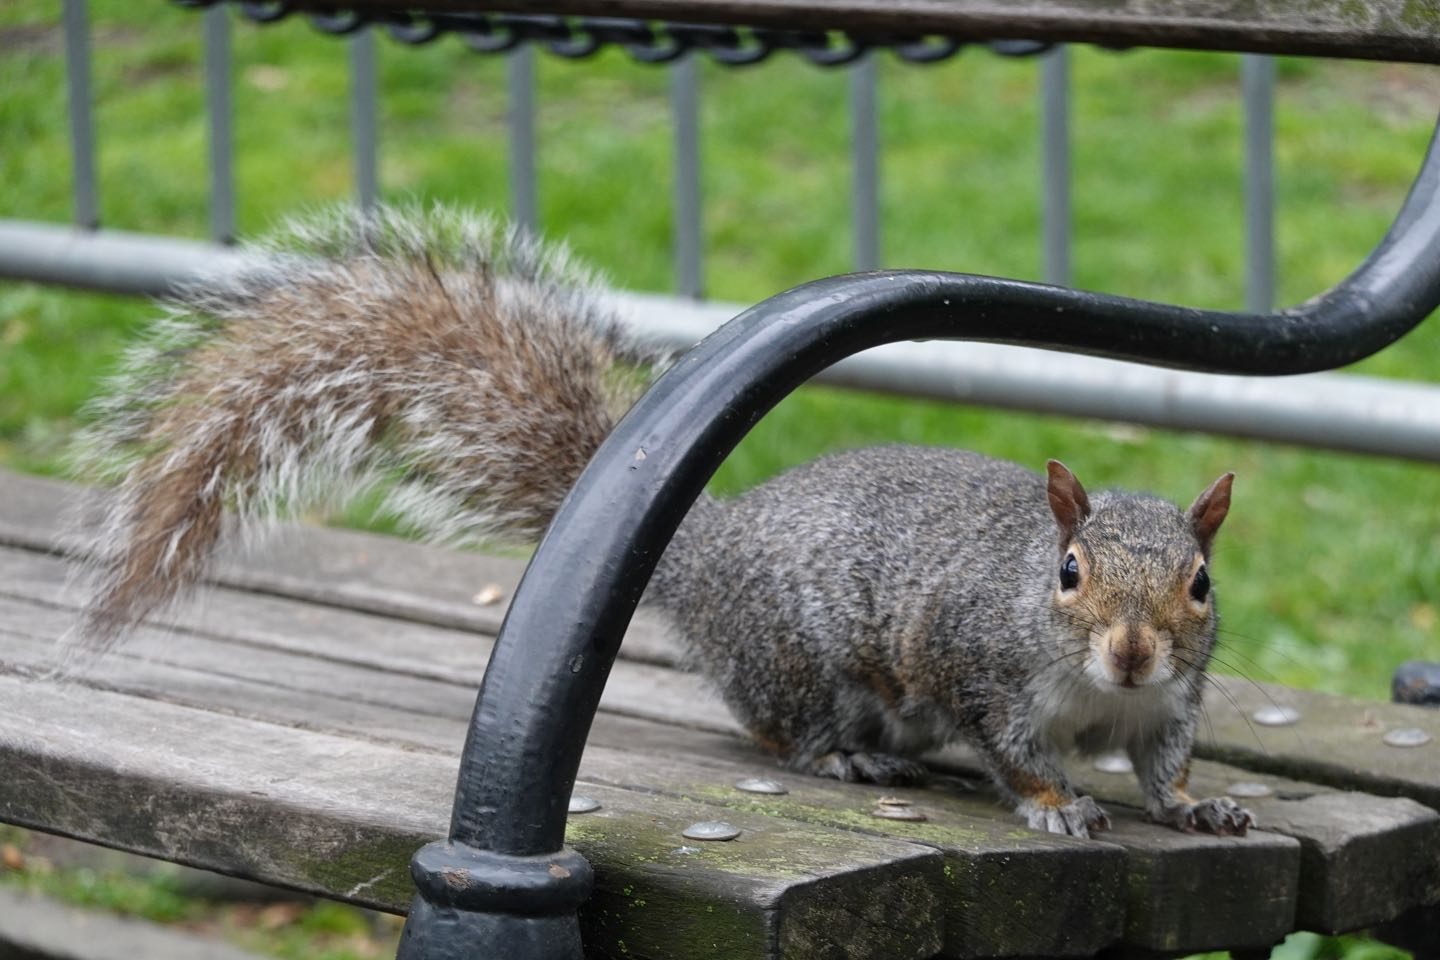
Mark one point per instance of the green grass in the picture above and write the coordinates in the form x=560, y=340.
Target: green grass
x=1329, y=566
x=286, y=929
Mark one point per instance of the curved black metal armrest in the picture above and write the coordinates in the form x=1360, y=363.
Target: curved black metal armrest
x=502, y=886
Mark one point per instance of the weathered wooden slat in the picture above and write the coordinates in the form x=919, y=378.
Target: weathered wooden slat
x=343, y=568
x=277, y=686
x=1336, y=741
x=1052, y=894
x=825, y=899
x=1364, y=859
x=334, y=634
x=313, y=701
x=340, y=817
x=1191, y=892
x=1027, y=888
x=1008, y=890
x=1012, y=889
x=1377, y=29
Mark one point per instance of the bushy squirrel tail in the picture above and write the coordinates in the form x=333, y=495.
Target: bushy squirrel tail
x=467, y=368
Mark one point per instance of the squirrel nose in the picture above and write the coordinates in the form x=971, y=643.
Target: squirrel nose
x=1130, y=659
x=1132, y=649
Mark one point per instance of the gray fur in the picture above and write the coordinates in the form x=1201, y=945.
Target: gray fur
x=356, y=349
x=891, y=600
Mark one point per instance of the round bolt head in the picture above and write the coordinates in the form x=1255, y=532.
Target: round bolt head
x=898, y=813
x=710, y=830
x=1114, y=763
x=1276, y=716
x=1407, y=737
x=757, y=785
x=579, y=804
x=1247, y=789
x=1417, y=681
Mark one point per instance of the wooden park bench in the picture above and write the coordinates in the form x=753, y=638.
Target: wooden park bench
x=301, y=724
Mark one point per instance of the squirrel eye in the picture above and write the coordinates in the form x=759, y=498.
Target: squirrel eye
x=1200, y=586
x=1069, y=573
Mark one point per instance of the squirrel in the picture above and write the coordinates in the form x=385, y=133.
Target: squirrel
x=852, y=613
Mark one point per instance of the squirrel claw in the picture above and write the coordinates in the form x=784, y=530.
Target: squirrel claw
x=883, y=769
x=1218, y=815
x=1076, y=818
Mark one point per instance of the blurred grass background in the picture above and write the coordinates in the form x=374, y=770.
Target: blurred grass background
x=1329, y=566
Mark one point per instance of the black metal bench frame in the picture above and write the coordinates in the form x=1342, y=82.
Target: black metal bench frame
x=503, y=884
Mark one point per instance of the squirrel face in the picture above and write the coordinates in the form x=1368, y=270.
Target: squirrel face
x=1133, y=573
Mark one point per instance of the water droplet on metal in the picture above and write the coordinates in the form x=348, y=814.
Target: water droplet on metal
x=757, y=785
x=898, y=813
x=1276, y=716
x=710, y=830
x=1246, y=789
x=579, y=804
x=1407, y=737
x=1114, y=763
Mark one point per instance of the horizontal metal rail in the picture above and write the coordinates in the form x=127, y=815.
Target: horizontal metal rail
x=1324, y=410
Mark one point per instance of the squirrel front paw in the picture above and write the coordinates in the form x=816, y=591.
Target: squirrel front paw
x=883, y=769
x=1218, y=815
x=1076, y=818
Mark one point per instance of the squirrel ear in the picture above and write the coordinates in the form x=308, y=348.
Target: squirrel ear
x=1209, y=510
x=1067, y=499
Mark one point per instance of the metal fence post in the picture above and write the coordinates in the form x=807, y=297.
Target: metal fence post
x=364, y=118
x=865, y=163
x=689, y=233
x=82, y=124
x=1258, y=84
x=218, y=115
x=1055, y=145
x=520, y=82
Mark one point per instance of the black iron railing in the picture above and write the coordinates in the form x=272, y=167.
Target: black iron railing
x=647, y=41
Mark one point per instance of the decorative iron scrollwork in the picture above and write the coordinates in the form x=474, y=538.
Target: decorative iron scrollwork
x=644, y=41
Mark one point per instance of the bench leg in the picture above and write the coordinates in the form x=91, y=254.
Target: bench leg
x=468, y=897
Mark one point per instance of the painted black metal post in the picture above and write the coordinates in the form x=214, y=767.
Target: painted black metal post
x=502, y=885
